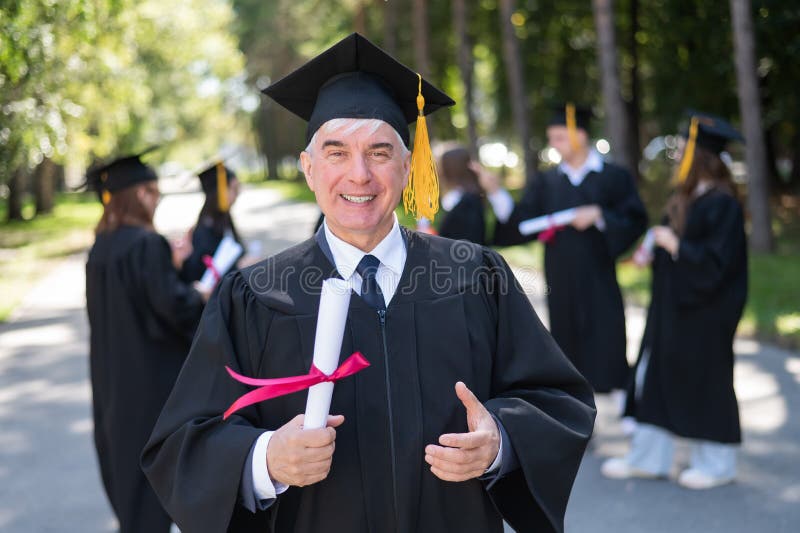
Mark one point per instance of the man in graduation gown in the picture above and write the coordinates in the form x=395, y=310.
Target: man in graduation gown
x=587, y=316
x=141, y=319
x=468, y=411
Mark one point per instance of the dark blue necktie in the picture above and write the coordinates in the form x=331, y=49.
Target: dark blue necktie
x=370, y=290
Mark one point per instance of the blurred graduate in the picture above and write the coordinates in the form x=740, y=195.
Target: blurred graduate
x=587, y=316
x=468, y=412
x=141, y=318
x=684, y=375
x=462, y=198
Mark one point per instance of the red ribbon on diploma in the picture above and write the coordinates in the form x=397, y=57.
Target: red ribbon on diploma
x=272, y=388
x=209, y=262
x=548, y=235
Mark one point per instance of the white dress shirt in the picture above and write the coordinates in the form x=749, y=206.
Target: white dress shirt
x=392, y=253
x=593, y=163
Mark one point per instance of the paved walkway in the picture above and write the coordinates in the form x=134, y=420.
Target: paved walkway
x=48, y=472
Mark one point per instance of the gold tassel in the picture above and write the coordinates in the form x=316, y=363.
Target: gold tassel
x=421, y=195
x=222, y=188
x=688, y=151
x=105, y=195
x=572, y=126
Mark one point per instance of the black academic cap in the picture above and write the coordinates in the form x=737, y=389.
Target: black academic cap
x=355, y=79
x=713, y=133
x=209, y=178
x=121, y=173
x=561, y=112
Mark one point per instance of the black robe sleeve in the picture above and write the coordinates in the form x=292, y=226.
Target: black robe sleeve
x=531, y=205
x=705, y=260
x=204, y=242
x=625, y=217
x=465, y=221
x=544, y=404
x=193, y=460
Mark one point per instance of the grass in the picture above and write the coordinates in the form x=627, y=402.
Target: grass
x=28, y=248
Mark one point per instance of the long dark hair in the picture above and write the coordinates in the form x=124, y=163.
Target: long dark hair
x=706, y=167
x=455, y=171
x=211, y=215
x=125, y=209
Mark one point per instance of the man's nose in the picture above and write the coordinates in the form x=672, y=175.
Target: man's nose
x=360, y=172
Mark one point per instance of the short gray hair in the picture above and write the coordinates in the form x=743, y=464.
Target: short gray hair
x=348, y=126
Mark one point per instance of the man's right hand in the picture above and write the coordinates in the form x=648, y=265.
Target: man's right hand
x=300, y=457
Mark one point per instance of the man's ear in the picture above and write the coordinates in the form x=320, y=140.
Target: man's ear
x=406, y=168
x=305, y=164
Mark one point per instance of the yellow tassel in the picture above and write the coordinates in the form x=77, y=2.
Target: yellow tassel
x=572, y=126
x=688, y=151
x=421, y=195
x=222, y=188
x=105, y=196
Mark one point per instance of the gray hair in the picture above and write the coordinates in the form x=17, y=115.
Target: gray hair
x=348, y=126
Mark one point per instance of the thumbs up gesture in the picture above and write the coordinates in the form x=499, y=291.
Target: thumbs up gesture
x=464, y=456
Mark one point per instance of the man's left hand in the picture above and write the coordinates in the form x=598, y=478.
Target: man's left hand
x=464, y=456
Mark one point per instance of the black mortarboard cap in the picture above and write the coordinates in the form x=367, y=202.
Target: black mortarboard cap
x=120, y=173
x=209, y=178
x=713, y=133
x=561, y=112
x=355, y=79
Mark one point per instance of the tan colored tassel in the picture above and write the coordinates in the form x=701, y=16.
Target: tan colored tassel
x=421, y=195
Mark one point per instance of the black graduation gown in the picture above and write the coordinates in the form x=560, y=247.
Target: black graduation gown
x=205, y=240
x=472, y=325
x=465, y=221
x=587, y=316
x=141, y=319
x=696, y=305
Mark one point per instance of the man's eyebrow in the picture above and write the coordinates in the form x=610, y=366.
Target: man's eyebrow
x=375, y=146
x=338, y=144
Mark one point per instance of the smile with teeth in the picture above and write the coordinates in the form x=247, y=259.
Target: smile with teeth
x=357, y=199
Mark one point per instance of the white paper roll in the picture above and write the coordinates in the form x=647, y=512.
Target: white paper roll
x=331, y=317
x=535, y=225
x=224, y=257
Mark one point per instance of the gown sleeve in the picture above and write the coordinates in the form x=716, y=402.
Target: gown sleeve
x=171, y=300
x=704, y=262
x=194, y=460
x=545, y=406
x=626, y=218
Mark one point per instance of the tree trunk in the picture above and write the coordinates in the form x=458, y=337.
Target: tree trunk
x=360, y=18
x=422, y=62
x=44, y=178
x=390, y=14
x=465, y=65
x=761, y=239
x=16, y=186
x=616, y=113
x=634, y=106
x=516, y=85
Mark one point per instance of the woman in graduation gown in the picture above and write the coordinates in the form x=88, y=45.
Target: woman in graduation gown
x=221, y=188
x=587, y=316
x=142, y=318
x=456, y=314
x=683, y=382
x=462, y=201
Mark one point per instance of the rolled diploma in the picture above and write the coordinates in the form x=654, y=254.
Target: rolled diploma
x=333, y=304
x=648, y=242
x=535, y=225
x=224, y=257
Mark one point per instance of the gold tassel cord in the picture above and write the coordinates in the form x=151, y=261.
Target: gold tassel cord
x=688, y=151
x=421, y=195
x=572, y=126
x=105, y=195
x=222, y=188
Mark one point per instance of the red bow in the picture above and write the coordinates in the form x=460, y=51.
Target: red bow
x=549, y=235
x=272, y=388
x=209, y=262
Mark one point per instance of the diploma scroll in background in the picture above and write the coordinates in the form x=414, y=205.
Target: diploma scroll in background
x=331, y=318
x=224, y=257
x=535, y=225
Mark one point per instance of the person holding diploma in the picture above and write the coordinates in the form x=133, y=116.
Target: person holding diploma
x=684, y=376
x=141, y=319
x=468, y=412
x=221, y=189
x=587, y=316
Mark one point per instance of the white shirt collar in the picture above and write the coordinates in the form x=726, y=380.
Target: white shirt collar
x=593, y=163
x=391, y=252
x=451, y=199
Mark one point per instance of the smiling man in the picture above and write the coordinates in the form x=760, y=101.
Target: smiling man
x=468, y=412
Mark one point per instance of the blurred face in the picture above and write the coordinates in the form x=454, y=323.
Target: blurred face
x=149, y=195
x=233, y=191
x=558, y=138
x=358, y=179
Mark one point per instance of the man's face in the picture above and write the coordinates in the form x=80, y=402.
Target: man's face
x=358, y=178
x=558, y=138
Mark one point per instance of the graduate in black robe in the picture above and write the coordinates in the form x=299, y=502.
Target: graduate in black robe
x=141, y=319
x=456, y=313
x=221, y=188
x=684, y=375
x=462, y=201
x=587, y=316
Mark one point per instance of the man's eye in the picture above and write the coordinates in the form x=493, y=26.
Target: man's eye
x=336, y=154
x=380, y=154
